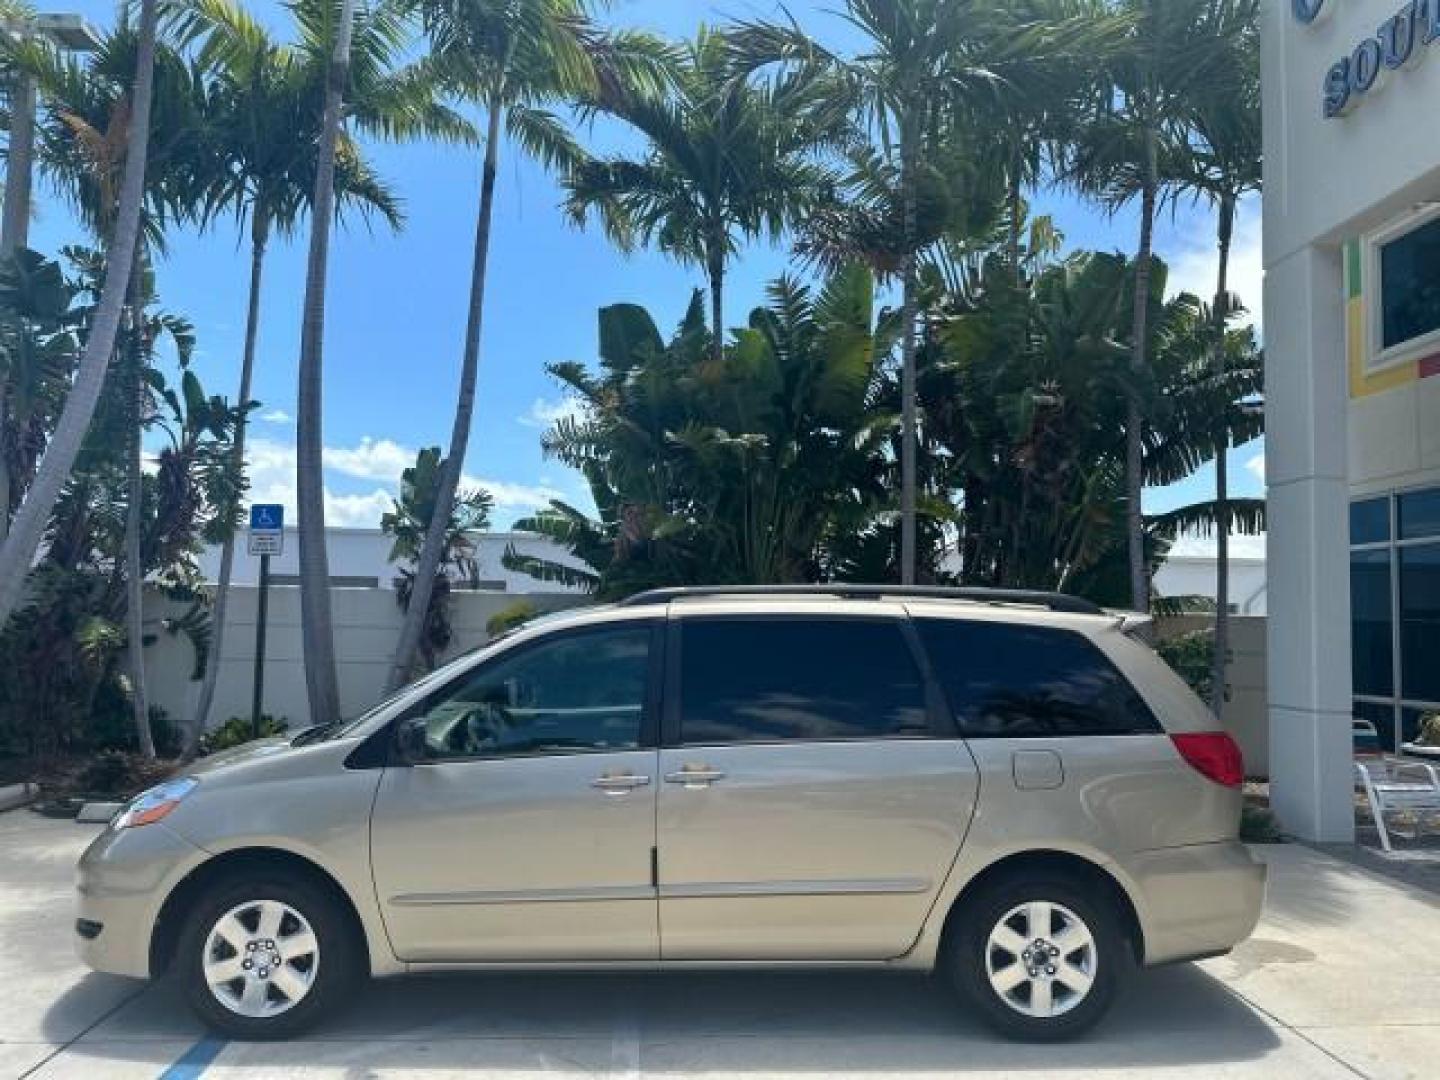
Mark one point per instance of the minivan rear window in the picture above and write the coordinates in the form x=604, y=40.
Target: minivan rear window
x=1004, y=680
x=781, y=678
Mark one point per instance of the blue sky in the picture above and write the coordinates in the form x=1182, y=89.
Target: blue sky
x=397, y=306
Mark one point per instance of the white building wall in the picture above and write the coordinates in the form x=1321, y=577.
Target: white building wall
x=1332, y=430
x=363, y=554
x=367, y=625
x=1194, y=575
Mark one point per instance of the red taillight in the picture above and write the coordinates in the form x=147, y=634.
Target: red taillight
x=1214, y=755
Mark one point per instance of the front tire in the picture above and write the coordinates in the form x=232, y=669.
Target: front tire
x=268, y=956
x=1039, y=957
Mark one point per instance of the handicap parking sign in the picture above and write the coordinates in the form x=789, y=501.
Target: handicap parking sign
x=267, y=529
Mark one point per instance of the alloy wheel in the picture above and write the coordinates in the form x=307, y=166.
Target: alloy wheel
x=1041, y=959
x=261, y=958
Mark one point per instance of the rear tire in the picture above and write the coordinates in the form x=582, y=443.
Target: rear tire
x=1039, y=956
x=268, y=956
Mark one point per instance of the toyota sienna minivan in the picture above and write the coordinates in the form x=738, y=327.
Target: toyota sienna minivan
x=1007, y=788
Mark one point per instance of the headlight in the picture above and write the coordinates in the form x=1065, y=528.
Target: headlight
x=151, y=806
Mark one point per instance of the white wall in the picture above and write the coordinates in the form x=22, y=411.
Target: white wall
x=364, y=553
x=1194, y=575
x=367, y=624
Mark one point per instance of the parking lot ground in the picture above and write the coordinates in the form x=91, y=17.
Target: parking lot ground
x=1340, y=980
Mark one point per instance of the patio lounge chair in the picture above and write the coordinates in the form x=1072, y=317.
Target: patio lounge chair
x=1398, y=785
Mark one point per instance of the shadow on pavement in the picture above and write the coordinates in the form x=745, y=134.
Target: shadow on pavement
x=822, y=1023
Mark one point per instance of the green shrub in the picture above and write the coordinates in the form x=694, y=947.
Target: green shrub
x=1258, y=826
x=1192, y=656
x=239, y=730
x=1429, y=730
x=508, y=618
x=112, y=726
x=118, y=774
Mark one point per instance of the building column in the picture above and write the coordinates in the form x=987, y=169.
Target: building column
x=1308, y=562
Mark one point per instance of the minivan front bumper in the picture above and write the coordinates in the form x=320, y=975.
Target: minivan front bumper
x=122, y=879
x=1198, y=900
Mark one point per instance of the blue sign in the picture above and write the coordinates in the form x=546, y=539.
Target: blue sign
x=267, y=516
x=1401, y=40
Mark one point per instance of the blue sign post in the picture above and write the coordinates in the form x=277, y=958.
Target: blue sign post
x=267, y=537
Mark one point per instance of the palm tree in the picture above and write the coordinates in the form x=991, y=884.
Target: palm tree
x=264, y=124
x=317, y=628
x=515, y=59
x=1132, y=146
x=925, y=71
x=1227, y=167
x=89, y=115
x=726, y=159
x=18, y=552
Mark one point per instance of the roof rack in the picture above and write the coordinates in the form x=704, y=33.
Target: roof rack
x=1052, y=600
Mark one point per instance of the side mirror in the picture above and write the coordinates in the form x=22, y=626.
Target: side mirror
x=410, y=740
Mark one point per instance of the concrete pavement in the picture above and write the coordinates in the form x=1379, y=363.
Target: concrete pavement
x=1341, y=980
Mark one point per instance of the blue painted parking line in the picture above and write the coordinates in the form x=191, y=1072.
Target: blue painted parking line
x=193, y=1063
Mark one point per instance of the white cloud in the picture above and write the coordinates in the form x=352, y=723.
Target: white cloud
x=1193, y=268
x=372, y=459
x=360, y=511
x=271, y=468
x=277, y=416
x=1256, y=466
x=511, y=499
x=542, y=412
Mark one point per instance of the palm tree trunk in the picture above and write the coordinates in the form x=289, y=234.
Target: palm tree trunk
x=435, y=530
x=317, y=629
x=18, y=551
x=1140, y=362
x=908, y=441
x=715, y=270
x=259, y=234
x=134, y=519
x=1220, y=663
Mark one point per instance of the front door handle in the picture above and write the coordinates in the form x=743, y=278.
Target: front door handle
x=619, y=784
x=697, y=777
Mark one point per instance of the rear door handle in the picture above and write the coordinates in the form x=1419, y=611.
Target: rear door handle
x=619, y=785
x=696, y=778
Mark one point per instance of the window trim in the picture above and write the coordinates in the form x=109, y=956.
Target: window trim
x=650, y=706
x=938, y=718
x=1378, y=357
x=1050, y=736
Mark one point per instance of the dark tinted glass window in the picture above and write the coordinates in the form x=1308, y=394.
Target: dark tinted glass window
x=1370, y=521
x=1420, y=622
x=1410, y=292
x=1018, y=681
x=749, y=680
x=1419, y=514
x=1374, y=727
x=1370, y=648
x=579, y=692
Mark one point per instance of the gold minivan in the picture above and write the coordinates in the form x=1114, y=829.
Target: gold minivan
x=1008, y=787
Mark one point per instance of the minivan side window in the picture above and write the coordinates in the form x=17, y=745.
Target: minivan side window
x=797, y=678
x=1005, y=680
x=581, y=692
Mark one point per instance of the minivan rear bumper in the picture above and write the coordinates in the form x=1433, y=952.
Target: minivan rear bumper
x=1197, y=900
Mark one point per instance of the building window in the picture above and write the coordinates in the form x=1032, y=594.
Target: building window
x=1395, y=611
x=1404, y=313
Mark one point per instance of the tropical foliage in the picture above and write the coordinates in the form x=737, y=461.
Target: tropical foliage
x=406, y=524
x=70, y=629
x=937, y=389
